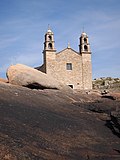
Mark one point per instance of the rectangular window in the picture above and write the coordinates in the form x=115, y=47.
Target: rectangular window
x=69, y=66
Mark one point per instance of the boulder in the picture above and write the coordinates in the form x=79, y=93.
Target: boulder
x=3, y=80
x=112, y=96
x=23, y=75
x=116, y=96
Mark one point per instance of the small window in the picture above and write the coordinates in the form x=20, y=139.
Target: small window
x=69, y=66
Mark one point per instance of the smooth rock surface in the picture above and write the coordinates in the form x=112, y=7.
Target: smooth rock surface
x=53, y=125
x=3, y=80
x=23, y=75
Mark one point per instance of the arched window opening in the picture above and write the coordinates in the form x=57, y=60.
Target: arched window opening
x=85, y=48
x=85, y=40
x=49, y=38
x=50, y=45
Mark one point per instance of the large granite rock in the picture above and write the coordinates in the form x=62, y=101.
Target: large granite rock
x=26, y=76
x=113, y=96
x=50, y=125
x=3, y=80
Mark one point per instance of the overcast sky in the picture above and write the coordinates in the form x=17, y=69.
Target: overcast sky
x=23, y=24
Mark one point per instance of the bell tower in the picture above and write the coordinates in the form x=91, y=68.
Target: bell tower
x=84, y=44
x=49, y=41
x=49, y=51
x=84, y=49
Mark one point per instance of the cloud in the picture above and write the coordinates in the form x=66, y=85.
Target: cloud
x=22, y=32
x=107, y=71
x=4, y=68
x=6, y=41
x=27, y=58
x=30, y=59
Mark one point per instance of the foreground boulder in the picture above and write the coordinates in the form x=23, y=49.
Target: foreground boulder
x=26, y=76
x=3, y=80
x=113, y=96
x=49, y=125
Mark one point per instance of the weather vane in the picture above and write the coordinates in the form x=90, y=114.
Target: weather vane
x=83, y=28
x=48, y=26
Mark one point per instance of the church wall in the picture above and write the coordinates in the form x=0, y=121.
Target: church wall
x=57, y=68
x=87, y=71
x=79, y=75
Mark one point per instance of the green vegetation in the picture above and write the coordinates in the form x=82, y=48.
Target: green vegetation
x=106, y=83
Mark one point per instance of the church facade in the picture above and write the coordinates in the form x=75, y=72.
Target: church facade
x=68, y=66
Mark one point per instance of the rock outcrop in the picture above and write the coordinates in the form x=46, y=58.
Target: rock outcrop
x=107, y=83
x=23, y=75
x=113, y=96
x=3, y=80
x=54, y=125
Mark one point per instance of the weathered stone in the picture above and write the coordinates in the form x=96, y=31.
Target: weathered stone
x=68, y=66
x=46, y=124
x=3, y=80
x=116, y=96
x=107, y=83
x=26, y=76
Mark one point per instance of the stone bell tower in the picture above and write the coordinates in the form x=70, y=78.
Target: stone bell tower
x=49, y=51
x=85, y=52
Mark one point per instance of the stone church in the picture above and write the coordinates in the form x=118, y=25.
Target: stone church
x=68, y=66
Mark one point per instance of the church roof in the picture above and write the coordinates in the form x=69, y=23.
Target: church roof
x=68, y=49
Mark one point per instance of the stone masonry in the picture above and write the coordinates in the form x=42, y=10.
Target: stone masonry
x=68, y=66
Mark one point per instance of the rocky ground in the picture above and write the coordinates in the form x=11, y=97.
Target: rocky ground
x=108, y=83
x=56, y=125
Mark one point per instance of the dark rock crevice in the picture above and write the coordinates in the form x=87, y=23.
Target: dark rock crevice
x=38, y=86
x=114, y=125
